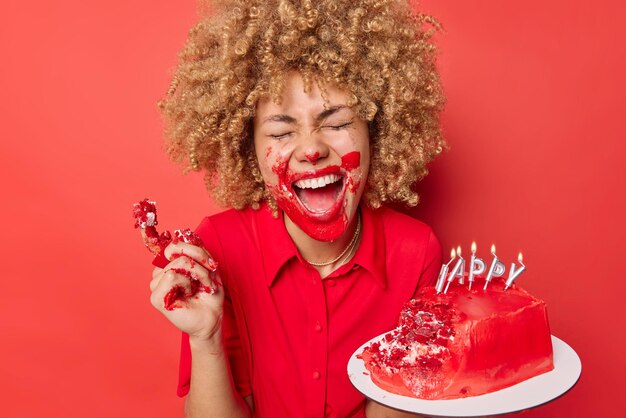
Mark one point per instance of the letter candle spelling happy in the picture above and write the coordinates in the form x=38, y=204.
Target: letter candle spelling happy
x=496, y=269
x=457, y=271
x=477, y=266
x=461, y=270
x=444, y=271
x=514, y=274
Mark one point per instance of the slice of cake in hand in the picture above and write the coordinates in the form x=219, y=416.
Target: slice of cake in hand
x=145, y=214
x=462, y=343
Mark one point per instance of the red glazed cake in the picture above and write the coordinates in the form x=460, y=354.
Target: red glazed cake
x=462, y=343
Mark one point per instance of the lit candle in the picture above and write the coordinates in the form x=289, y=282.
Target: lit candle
x=496, y=269
x=477, y=266
x=461, y=270
x=514, y=274
x=444, y=271
x=457, y=271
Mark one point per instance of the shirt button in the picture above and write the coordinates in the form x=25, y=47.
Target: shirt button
x=318, y=327
x=316, y=375
x=330, y=282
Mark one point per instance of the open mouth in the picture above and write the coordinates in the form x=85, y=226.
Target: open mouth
x=320, y=195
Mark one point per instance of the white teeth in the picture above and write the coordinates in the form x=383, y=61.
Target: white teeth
x=317, y=182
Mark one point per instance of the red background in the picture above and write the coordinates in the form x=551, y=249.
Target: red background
x=535, y=99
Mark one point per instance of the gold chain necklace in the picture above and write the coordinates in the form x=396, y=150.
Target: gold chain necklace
x=350, y=247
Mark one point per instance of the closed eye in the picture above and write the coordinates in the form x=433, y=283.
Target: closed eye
x=280, y=136
x=338, y=127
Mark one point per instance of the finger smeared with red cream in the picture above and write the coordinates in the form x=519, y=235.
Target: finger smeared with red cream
x=145, y=215
x=317, y=199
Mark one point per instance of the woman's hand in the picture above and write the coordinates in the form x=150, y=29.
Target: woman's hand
x=188, y=291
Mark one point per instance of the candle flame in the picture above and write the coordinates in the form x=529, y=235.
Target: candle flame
x=520, y=258
x=458, y=250
x=493, y=249
x=473, y=247
x=452, y=253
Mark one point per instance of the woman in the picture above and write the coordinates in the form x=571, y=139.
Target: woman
x=306, y=118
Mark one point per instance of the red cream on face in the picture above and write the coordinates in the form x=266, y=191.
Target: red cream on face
x=350, y=162
x=330, y=225
x=313, y=157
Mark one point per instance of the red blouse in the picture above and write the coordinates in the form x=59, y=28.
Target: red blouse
x=288, y=333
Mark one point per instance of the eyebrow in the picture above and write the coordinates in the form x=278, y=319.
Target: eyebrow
x=279, y=118
x=320, y=117
x=330, y=111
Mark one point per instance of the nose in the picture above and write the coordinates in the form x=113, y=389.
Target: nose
x=312, y=150
x=312, y=157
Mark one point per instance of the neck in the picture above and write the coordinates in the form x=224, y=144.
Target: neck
x=322, y=251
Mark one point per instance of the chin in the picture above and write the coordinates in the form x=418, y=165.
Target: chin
x=326, y=227
x=321, y=202
x=323, y=223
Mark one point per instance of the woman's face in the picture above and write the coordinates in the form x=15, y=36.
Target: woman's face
x=314, y=160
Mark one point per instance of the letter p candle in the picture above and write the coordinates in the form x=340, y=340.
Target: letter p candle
x=496, y=269
x=477, y=266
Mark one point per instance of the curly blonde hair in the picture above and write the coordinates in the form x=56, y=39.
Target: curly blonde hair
x=379, y=51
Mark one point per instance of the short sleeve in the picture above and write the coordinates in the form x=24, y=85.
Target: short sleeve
x=232, y=325
x=432, y=262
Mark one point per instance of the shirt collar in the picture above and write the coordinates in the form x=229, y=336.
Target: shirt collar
x=277, y=248
x=274, y=242
x=371, y=254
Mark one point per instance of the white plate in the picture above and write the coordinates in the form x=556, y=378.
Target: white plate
x=524, y=395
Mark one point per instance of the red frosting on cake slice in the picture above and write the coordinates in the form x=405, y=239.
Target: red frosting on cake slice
x=145, y=214
x=463, y=343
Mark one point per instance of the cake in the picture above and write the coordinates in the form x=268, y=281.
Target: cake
x=145, y=215
x=462, y=343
